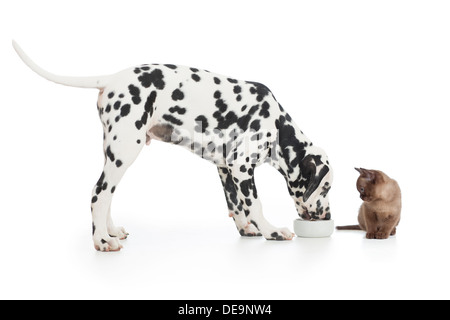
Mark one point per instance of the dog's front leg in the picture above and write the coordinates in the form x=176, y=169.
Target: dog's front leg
x=243, y=178
x=236, y=208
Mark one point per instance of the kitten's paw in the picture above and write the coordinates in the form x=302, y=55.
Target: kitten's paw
x=107, y=244
x=280, y=235
x=381, y=235
x=377, y=235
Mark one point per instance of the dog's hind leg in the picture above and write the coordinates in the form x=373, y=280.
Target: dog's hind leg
x=124, y=113
x=113, y=231
x=122, y=148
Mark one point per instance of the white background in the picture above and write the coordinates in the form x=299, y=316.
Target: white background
x=368, y=81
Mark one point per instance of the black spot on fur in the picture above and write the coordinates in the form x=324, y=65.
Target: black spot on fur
x=111, y=95
x=125, y=110
x=144, y=118
x=177, y=94
x=172, y=119
x=265, y=110
x=149, y=103
x=256, y=125
x=118, y=163
x=202, y=124
x=276, y=236
x=195, y=77
x=221, y=105
x=246, y=186
x=155, y=78
x=245, y=120
x=227, y=121
x=171, y=66
x=325, y=189
x=217, y=80
x=101, y=186
x=260, y=90
x=138, y=124
x=149, y=109
x=101, y=179
x=178, y=110
x=135, y=93
x=110, y=154
x=230, y=189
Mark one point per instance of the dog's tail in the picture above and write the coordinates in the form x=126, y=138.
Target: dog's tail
x=80, y=82
x=355, y=227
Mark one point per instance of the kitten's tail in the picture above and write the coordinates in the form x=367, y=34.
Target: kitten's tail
x=355, y=227
x=81, y=82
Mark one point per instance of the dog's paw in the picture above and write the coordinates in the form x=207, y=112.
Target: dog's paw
x=118, y=232
x=107, y=244
x=280, y=235
x=250, y=231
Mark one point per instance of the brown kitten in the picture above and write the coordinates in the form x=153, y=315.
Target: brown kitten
x=379, y=214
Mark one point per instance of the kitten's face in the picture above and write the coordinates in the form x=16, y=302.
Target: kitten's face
x=367, y=184
x=365, y=189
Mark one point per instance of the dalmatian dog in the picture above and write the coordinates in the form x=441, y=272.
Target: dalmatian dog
x=237, y=125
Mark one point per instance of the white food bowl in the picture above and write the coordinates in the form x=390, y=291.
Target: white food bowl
x=313, y=229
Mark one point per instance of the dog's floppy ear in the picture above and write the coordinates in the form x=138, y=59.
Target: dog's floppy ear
x=309, y=165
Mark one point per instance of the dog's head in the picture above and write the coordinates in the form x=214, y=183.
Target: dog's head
x=316, y=177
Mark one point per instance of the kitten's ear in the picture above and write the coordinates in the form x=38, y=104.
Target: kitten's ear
x=367, y=174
